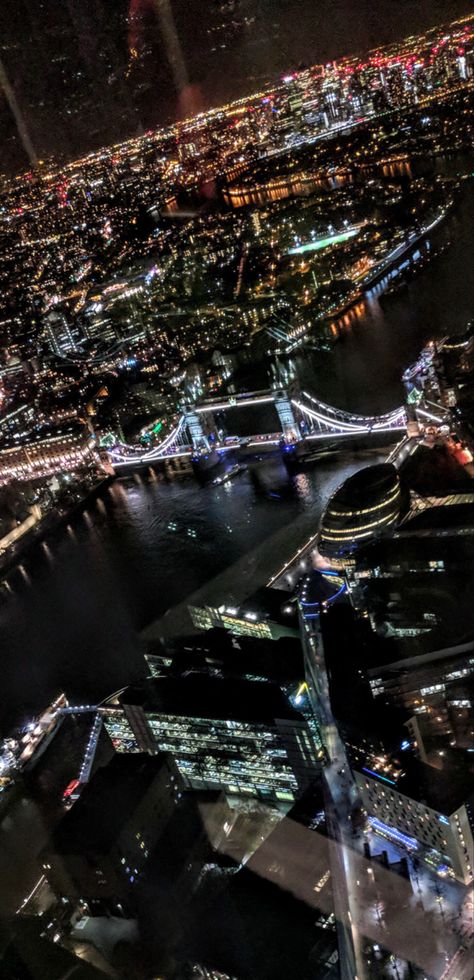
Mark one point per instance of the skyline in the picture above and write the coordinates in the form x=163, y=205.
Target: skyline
x=84, y=98
x=237, y=492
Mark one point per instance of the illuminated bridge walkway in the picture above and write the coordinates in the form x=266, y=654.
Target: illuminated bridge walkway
x=301, y=417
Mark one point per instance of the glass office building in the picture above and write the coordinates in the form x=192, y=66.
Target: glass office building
x=240, y=736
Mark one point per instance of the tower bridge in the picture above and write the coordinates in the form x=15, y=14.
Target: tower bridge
x=301, y=417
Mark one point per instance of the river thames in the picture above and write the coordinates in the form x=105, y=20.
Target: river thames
x=78, y=603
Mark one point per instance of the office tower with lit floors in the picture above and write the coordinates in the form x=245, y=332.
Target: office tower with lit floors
x=242, y=737
x=426, y=811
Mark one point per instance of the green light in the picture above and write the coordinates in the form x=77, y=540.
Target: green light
x=323, y=242
x=157, y=427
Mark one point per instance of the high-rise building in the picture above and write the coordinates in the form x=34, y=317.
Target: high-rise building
x=240, y=736
x=394, y=693
x=63, y=336
x=414, y=635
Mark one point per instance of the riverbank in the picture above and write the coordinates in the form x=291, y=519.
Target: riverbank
x=259, y=565
x=48, y=525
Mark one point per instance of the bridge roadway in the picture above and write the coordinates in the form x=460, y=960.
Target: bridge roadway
x=191, y=432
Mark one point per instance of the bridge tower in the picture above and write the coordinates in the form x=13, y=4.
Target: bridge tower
x=289, y=426
x=201, y=427
x=193, y=423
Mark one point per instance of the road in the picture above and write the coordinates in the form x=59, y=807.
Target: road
x=420, y=920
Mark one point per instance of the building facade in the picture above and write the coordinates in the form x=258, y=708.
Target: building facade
x=63, y=451
x=365, y=506
x=242, y=737
x=437, y=828
x=102, y=844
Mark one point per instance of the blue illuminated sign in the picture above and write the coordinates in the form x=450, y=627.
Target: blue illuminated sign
x=396, y=835
x=378, y=776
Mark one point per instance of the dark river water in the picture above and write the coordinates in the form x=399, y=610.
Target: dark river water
x=77, y=605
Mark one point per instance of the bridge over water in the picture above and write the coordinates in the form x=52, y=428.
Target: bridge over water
x=301, y=418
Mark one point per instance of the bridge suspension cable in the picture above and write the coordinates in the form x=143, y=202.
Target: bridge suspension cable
x=327, y=420
x=339, y=415
x=152, y=454
x=341, y=423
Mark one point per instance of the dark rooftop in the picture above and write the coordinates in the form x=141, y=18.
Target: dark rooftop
x=199, y=696
x=432, y=471
x=443, y=790
x=269, y=604
x=368, y=483
x=411, y=543
x=216, y=649
x=106, y=804
x=447, y=517
x=425, y=581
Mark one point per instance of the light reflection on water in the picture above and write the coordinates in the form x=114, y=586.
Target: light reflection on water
x=71, y=623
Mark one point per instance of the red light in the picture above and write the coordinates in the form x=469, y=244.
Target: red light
x=70, y=788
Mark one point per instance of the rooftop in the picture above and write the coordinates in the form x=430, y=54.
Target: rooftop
x=271, y=604
x=216, y=649
x=371, y=482
x=199, y=696
x=433, y=471
x=443, y=790
x=411, y=543
x=43, y=434
x=106, y=804
x=451, y=516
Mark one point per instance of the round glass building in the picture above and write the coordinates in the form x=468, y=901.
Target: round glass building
x=366, y=505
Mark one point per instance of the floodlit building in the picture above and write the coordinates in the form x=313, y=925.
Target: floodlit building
x=44, y=454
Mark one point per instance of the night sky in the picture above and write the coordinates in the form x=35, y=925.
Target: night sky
x=90, y=72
